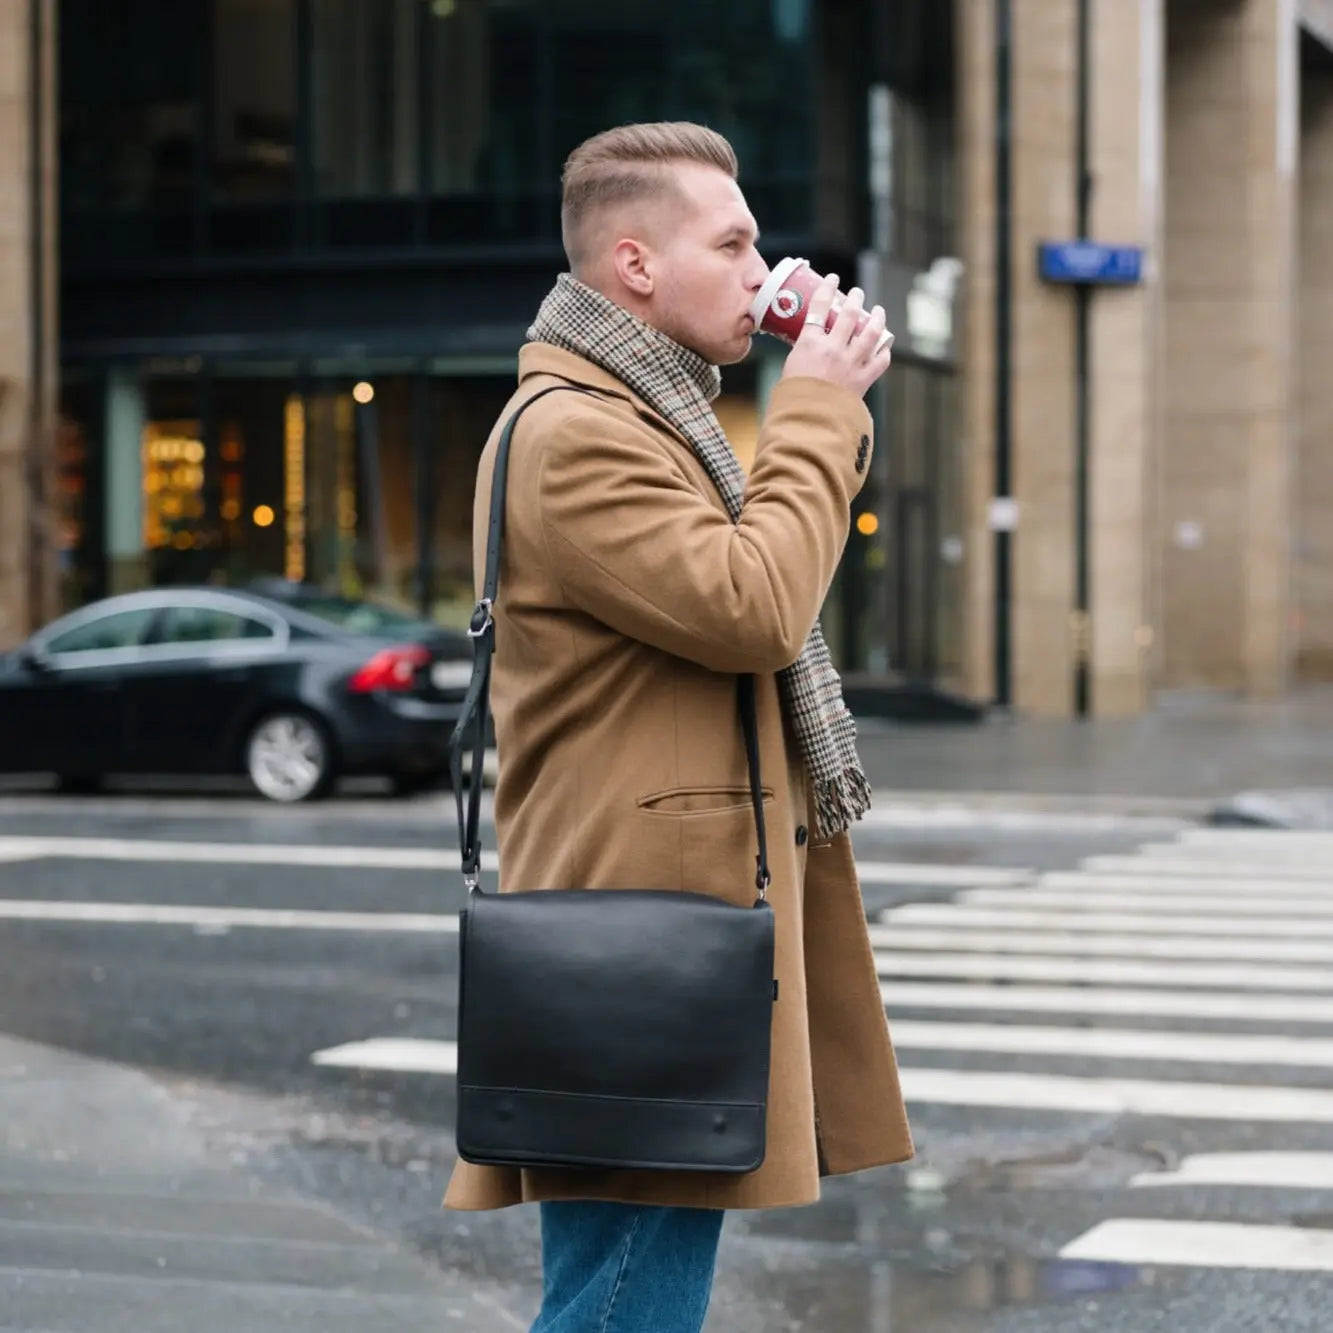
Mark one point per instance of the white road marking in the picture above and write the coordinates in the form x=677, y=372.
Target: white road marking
x=422, y=858
x=1050, y=918
x=1048, y=1092
x=1273, y=1170
x=1275, y=856
x=1110, y=972
x=1155, y=1242
x=1220, y=873
x=1281, y=895
x=224, y=918
x=401, y=1054
x=946, y=876
x=248, y=853
x=928, y=938
x=1117, y=1096
x=1230, y=841
x=1091, y=1001
x=951, y=813
x=1116, y=1043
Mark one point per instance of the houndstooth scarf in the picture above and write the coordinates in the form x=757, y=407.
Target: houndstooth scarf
x=680, y=385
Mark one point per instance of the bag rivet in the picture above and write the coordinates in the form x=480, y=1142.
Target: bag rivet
x=719, y=1124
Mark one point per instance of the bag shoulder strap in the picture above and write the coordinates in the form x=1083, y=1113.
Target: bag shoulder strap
x=475, y=709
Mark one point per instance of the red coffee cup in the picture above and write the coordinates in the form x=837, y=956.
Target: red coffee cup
x=783, y=302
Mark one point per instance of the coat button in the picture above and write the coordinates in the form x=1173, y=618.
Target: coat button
x=802, y=835
x=863, y=453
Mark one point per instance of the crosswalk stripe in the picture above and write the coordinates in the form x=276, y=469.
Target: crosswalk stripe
x=1286, y=893
x=1276, y=857
x=225, y=918
x=1230, y=841
x=982, y=1088
x=943, y=876
x=1115, y=1043
x=1091, y=1001
x=1113, y=972
x=1272, y=1170
x=1151, y=897
x=1117, y=1096
x=1218, y=872
x=926, y=938
x=407, y=1055
x=1204, y=1245
x=1051, y=918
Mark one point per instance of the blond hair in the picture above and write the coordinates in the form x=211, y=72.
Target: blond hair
x=627, y=164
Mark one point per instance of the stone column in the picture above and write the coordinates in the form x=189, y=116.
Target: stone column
x=1125, y=158
x=28, y=356
x=1314, y=504
x=1231, y=105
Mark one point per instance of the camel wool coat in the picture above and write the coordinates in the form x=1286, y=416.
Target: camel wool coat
x=628, y=602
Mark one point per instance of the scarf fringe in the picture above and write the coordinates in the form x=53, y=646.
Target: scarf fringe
x=839, y=801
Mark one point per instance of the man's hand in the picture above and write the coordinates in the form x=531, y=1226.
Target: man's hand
x=842, y=356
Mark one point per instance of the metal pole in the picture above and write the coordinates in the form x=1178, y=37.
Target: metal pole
x=1082, y=305
x=1003, y=339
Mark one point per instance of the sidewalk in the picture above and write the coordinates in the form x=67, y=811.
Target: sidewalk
x=1187, y=756
x=114, y=1217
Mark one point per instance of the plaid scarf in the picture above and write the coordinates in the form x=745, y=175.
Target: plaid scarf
x=680, y=385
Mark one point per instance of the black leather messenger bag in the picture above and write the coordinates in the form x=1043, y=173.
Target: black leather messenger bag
x=609, y=1028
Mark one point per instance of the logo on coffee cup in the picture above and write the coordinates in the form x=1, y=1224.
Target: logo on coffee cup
x=788, y=303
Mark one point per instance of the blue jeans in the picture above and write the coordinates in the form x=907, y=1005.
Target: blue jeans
x=621, y=1268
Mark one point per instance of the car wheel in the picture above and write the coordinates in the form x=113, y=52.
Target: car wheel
x=289, y=757
x=78, y=784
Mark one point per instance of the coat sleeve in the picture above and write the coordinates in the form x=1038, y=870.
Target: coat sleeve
x=634, y=543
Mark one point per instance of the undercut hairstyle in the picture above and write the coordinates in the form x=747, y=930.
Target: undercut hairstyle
x=628, y=164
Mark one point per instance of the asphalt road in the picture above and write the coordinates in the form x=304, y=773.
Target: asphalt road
x=1066, y=1027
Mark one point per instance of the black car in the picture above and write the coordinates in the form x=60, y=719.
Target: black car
x=295, y=691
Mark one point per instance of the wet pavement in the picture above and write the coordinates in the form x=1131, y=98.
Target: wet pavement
x=999, y=1226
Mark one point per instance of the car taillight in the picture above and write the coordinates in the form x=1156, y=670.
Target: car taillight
x=391, y=669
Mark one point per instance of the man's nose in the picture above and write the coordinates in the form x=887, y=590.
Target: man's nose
x=758, y=274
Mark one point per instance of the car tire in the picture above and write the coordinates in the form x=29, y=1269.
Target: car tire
x=289, y=757
x=78, y=784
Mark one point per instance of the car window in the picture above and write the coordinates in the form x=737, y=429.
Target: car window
x=208, y=624
x=119, y=629
x=370, y=618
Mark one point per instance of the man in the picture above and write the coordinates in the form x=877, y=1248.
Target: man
x=642, y=571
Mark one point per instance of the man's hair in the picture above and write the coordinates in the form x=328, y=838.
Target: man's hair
x=630, y=163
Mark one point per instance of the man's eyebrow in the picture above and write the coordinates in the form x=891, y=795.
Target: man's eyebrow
x=741, y=229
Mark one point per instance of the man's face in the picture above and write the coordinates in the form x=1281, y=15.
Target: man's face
x=705, y=268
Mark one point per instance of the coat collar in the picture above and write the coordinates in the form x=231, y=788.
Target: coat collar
x=540, y=359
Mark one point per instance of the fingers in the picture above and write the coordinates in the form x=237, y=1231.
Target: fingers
x=820, y=305
x=845, y=325
x=866, y=342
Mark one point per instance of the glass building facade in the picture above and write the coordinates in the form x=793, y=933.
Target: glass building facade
x=301, y=241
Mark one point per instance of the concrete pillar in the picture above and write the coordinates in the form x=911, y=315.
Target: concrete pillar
x=28, y=340
x=1127, y=163
x=126, y=559
x=1314, y=491
x=1231, y=138
x=1125, y=158
x=974, y=28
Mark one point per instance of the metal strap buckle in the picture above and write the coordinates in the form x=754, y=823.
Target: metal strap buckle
x=482, y=619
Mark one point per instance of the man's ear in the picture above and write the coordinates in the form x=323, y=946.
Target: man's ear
x=634, y=267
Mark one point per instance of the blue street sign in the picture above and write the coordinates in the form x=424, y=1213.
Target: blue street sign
x=1090, y=262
